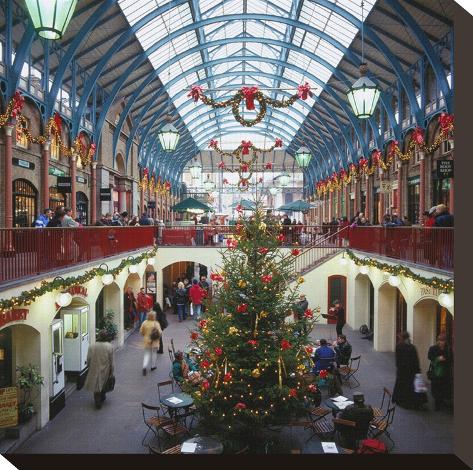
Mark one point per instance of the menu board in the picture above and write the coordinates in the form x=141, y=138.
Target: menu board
x=8, y=407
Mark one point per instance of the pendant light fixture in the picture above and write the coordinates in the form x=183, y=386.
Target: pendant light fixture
x=364, y=93
x=209, y=185
x=303, y=157
x=195, y=169
x=51, y=17
x=169, y=135
x=283, y=179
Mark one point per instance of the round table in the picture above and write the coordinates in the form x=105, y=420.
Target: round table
x=333, y=406
x=186, y=402
x=205, y=445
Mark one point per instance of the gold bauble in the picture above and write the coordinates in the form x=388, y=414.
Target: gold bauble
x=256, y=373
x=300, y=280
x=232, y=330
x=262, y=226
x=241, y=283
x=263, y=314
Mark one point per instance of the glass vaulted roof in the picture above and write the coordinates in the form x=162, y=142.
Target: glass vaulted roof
x=224, y=51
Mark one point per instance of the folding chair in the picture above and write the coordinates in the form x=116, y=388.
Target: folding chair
x=321, y=428
x=153, y=422
x=380, y=426
x=349, y=371
x=173, y=450
x=350, y=426
x=387, y=397
x=317, y=413
x=171, y=354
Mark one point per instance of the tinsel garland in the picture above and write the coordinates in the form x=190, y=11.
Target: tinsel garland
x=53, y=127
x=398, y=270
x=250, y=94
x=344, y=177
x=27, y=297
x=154, y=186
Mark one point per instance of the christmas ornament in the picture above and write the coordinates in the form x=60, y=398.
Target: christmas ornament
x=263, y=314
x=194, y=335
x=295, y=252
x=292, y=392
x=241, y=284
x=255, y=373
x=281, y=237
x=205, y=364
x=323, y=374
x=285, y=344
x=240, y=406
x=267, y=278
x=203, y=324
x=205, y=384
x=262, y=226
x=242, y=308
x=300, y=280
x=232, y=330
x=216, y=277
x=263, y=250
x=253, y=343
x=218, y=351
x=312, y=388
x=227, y=377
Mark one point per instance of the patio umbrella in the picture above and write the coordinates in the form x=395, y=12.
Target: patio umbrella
x=246, y=204
x=295, y=206
x=191, y=205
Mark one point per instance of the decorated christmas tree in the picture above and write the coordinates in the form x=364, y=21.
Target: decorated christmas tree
x=254, y=360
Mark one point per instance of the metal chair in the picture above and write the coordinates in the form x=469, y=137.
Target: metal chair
x=153, y=422
x=387, y=398
x=350, y=426
x=380, y=426
x=349, y=372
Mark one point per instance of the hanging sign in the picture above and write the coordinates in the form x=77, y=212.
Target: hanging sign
x=23, y=163
x=8, y=316
x=64, y=184
x=56, y=171
x=105, y=194
x=444, y=169
x=8, y=407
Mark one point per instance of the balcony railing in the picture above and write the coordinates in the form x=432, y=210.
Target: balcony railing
x=27, y=252
x=431, y=247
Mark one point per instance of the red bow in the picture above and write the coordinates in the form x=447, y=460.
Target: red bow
x=418, y=136
x=18, y=102
x=376, y=156
x=362, y=162
x=195, y=93
x=246, y=145
x=278, y=142
x=303, y=91
x=308, y=313
x=446, y=122
x=213, y=144
x=240, y=406
x=244, y=167
x=221, y=165
x=268, y=166
x=58, y=121
x=249, y=94
x=393, y=147
x=225, y=181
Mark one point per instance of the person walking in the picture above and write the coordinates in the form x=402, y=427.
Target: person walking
x=142, y=305
x=151, y=332
x=181, y=301
x=100, y=379
x=407, y=366
x=129, y=307
x=163, y=323
x=338, y=311
x=441, y=372
x=196, y=294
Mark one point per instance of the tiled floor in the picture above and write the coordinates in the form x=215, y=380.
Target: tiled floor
x=118, y=426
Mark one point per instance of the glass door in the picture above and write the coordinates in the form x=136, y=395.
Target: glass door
x=413, y=200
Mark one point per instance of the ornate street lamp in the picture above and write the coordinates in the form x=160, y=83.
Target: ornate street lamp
x=51, y=17
x=169, y=137
x=209, y=185
x=364, y=93
x=195, y=169
x=283, y=179
x=303, y=157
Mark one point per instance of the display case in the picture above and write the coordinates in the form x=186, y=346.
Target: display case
x=76, y=338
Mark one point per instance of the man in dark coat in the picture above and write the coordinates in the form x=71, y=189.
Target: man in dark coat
x=441, y=378
x=338, y=311
x=407, y=366
x=342, y=350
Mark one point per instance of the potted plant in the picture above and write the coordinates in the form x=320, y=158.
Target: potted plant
x=107, y=324
x=28, y=379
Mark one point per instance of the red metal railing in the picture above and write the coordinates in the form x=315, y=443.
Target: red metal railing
x=30, y=251
x=427, y=246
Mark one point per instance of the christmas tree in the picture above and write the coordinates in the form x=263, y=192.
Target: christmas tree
x=254, y=360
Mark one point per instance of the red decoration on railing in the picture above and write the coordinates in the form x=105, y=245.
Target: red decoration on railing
x=393, y=148
x=268, y=166
x=303, y=91
x=446, y=122
x=362, y=162
x=418, y=136
x=249, y=93
x=195, y=93
x=278, y=142
x=244, y=167
x=18, y=103
x=245, y=147
x=221, y=165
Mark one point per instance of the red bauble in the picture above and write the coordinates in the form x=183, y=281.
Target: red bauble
x=205, y=364
x=203, y=323
x=194, y=335
x=240, y=406
x=285, y=344
x=227, y=377
x=281, y=237
x=205, y=384
x=252, y=342
x=242, y=308
x=293, y=392
x=295, y=252
x=309, y=349
x=218, y=351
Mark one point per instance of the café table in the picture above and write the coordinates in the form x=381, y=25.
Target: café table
x=174, y=406
x=204, y=445
x=333, y=406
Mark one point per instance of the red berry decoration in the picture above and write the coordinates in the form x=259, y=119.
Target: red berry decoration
x=194, y=335
x=323, y=374
x=203, y=324
x=227, y=377
x=308, y=313
x=205, y=384
x=218, y=351
x=293, y=392
x=267, y=278
x=285, y=344
x=252, y=342
x=263, y=250
x=240, y=406
x=295, y=252
x=242, y=308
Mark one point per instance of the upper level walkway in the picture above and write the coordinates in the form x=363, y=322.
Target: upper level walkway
x=28, y=252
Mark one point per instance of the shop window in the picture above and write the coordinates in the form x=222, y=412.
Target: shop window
x=82, y=207
x=413, y=199
x=55, y=148
x=446, y=147
x=337, y=289
x=24, y=203
x=440, y=190
x=21, y=139
x=56, y=198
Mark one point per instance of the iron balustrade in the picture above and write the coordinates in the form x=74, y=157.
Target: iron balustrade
x=27, y=252
x=428, y=246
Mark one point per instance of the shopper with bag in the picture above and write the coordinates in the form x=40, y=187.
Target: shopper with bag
x=143, y=304
x=151, y=332
x=100, y=379
x=196, y=294
x=440, y=372
x=163, y=323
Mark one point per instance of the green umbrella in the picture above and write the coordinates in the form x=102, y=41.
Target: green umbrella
x=295, y=206
x=246, y=205
x=191, y=205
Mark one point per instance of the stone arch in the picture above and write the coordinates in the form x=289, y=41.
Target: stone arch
x=120, y=164
x=111, y=295
x=361, y=315
x=133, y=281
x=385, y=318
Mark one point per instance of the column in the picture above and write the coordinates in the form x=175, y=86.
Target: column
x=45, y=175
x=142, y=202
x=330, y=205
x=347, y=202
x=323, y=210
x=399, y=190
x=357, y=198
x=8, y=175
x=368, y=199
x=381, y=210
x=122, y=200
x=421, y=187
x=93, y=193
x=339, y=205
x=451, y=197
x=73, y=185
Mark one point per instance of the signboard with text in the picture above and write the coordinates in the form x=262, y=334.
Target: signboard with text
x=64, y=184
x=105, y=194
x=444, y=169
x=8, y=407
x=386, y=186
x=7, y=316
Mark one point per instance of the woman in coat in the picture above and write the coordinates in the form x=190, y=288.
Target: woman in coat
x=440, y=372
x=181, y=301
x=147, y=330
x=163, y=323
x=100, y=363
x=407, y=366
x=129, y=307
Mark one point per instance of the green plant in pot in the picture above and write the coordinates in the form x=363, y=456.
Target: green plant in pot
x=107, y=326
x=28, y=380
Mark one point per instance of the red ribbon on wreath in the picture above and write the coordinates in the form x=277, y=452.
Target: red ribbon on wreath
x=246, y=145
x=446, y=122
x=278, y=142
x=18, y=103
x=244, y=167
x=249, y=93
x=418, y=135
x=376, y=157
x=221, y=165
x=393, y=148
x=303, y=91
x=213, y=144
x=268, y=166
x=195, y=93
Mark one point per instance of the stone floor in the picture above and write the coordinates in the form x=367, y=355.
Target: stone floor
x=118, y=427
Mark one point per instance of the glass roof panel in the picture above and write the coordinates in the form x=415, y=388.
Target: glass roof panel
x=196, y=119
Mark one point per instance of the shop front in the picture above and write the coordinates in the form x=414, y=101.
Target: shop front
x=413, y=199
x=25, y=203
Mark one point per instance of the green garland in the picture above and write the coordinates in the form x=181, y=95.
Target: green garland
x=27, y=297
x=398, y=270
